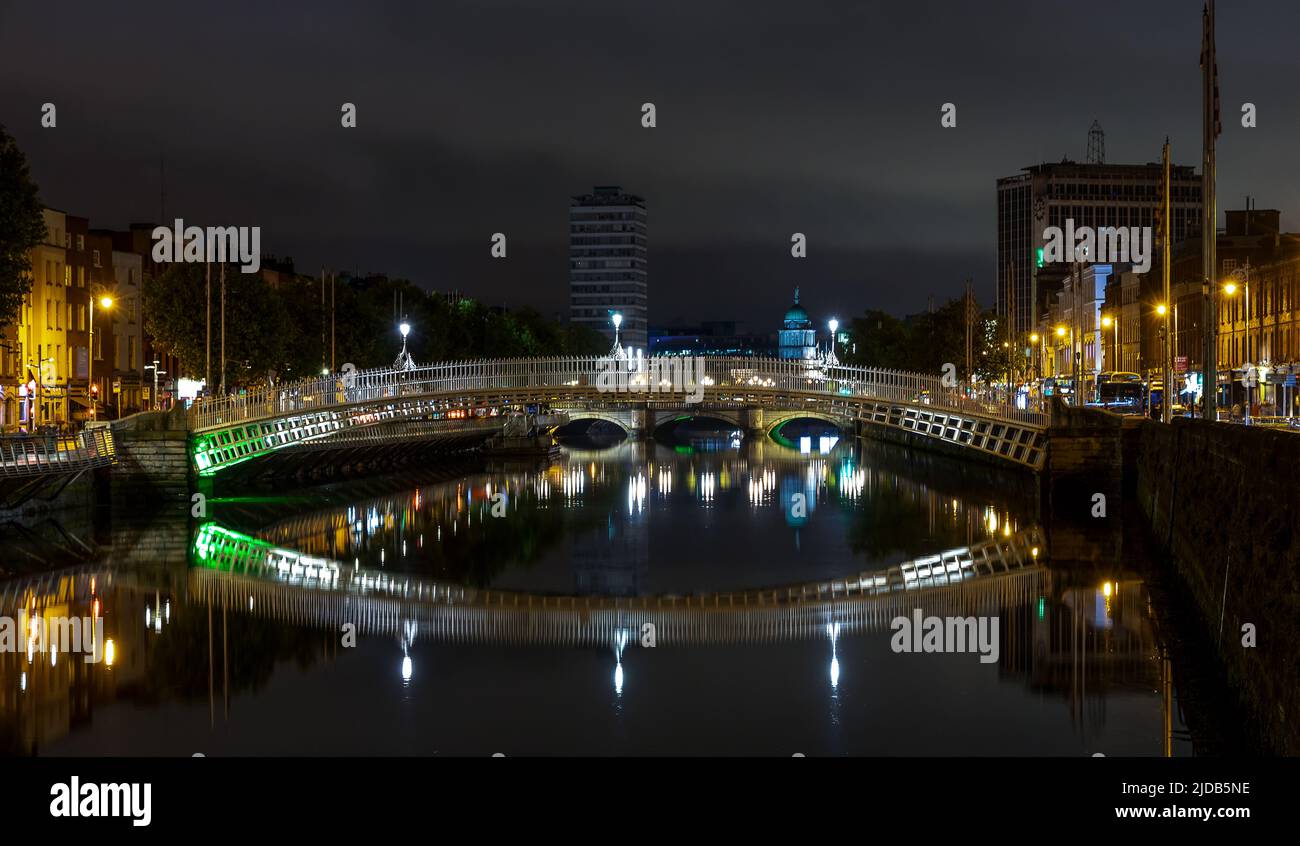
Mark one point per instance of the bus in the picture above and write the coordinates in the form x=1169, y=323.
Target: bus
x=1117, y=392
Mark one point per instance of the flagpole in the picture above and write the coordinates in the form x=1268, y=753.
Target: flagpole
x=1209, y=213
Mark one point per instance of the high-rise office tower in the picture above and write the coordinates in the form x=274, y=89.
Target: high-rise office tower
x=1093, y=195
x=607, y=263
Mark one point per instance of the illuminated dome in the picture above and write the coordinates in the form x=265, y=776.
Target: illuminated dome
x=795, y=316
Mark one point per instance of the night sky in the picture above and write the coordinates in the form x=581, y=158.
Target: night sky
x=481, y=117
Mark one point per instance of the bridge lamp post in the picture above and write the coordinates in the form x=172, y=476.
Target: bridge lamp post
x=404, y=361
x=834, y=326
x=617, y=319
x=105, y=303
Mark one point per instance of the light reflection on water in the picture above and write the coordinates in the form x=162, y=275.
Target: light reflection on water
x=1079, y=668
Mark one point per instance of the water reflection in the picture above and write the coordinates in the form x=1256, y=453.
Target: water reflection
x=586, y=524
x=547, y=603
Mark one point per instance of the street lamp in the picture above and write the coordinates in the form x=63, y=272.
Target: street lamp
x=156, y=374
x=1107, y=321
x=404, y=360
x=1166, y=405
x=1230, y=288
x=617, y=319
x=1061, y=332
x=105, y=302
x=834, y=326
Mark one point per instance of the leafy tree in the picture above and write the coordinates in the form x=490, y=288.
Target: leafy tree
x=268, y=330
x=21, y=227
x=876, y=339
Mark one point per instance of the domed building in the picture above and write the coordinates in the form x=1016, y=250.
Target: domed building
x=797, y=339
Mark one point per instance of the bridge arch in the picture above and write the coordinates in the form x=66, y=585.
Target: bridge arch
x=620, y=419
x=772, y=423
x=666, y=419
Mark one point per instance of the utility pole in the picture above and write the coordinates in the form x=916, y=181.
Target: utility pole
x=1209, y=214
x=970, y=319
x=1076, y=323
x=1166, y=413
x=321, y=314
x=223, y=328
x=207, y=371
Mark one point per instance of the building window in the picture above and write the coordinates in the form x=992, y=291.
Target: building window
x=130, y=352
x=1229, y=265
x=94, y=257
x=67, y=275
x=81, y=243
x=81, y=318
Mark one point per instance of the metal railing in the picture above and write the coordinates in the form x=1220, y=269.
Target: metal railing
x=35, y=455
x=644, y=378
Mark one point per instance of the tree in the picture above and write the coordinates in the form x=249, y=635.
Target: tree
x=22, y=227
x=268, y=329
x=876, y=339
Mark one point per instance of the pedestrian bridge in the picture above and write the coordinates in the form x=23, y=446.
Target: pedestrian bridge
x=42, y=465
x=757, y=394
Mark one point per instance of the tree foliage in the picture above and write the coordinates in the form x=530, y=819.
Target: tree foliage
x=21, y=227
x=925, y=342
x=286, y=331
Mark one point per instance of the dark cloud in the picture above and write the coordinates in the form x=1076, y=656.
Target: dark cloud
x=481, y=117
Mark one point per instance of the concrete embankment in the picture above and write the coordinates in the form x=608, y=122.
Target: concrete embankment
x=1223, y=507
x=153, y=458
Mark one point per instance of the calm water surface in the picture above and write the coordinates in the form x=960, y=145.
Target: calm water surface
x=200, y=667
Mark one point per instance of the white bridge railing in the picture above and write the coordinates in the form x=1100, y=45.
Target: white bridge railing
x=647, y=378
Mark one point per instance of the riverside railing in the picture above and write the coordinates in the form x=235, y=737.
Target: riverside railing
x=646, y=376
x=35, y=455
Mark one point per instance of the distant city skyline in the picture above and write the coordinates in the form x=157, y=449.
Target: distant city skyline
x=771, y=120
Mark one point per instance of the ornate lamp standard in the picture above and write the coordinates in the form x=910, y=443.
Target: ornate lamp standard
x=834, y=326
x=617, y=350
x=404, y=360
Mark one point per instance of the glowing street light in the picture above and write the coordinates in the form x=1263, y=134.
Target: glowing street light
x=1230, y=287
x=105, y=303
x=834, y=326
x=404, y=360
x=617, y=319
